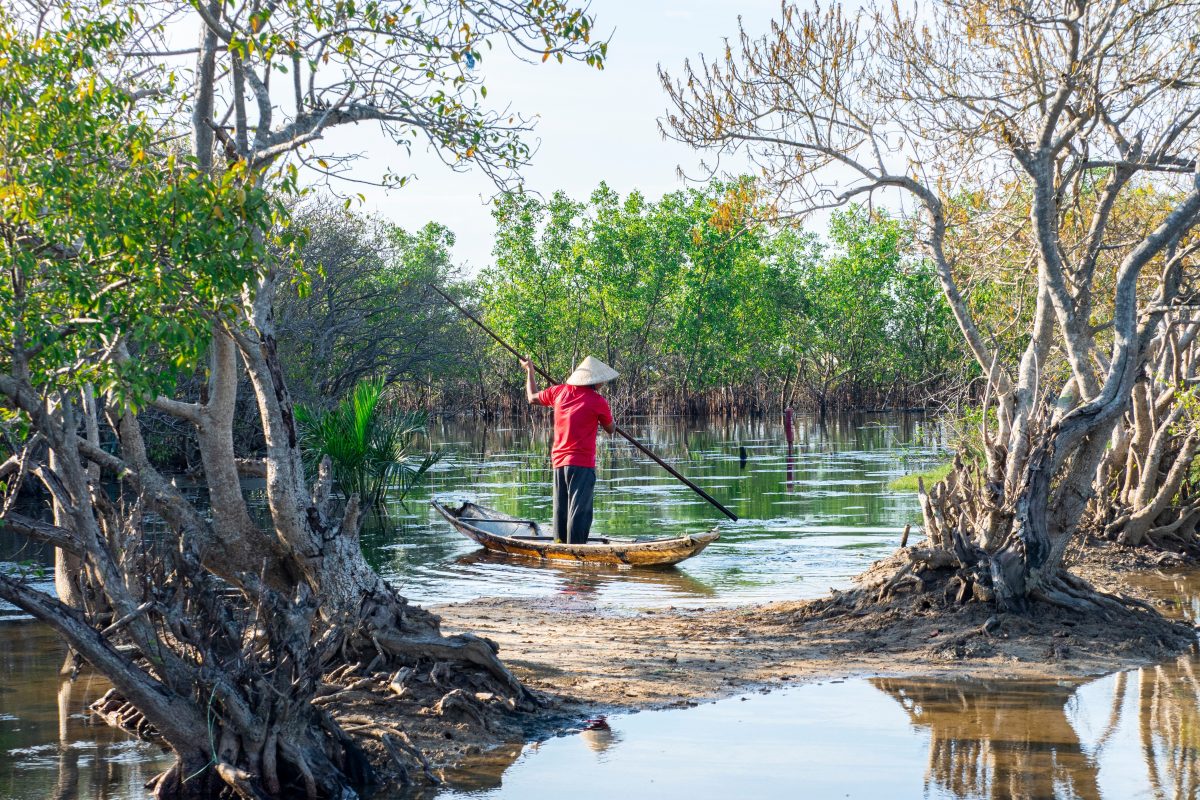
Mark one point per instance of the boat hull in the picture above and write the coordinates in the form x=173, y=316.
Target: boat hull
x=501, y=533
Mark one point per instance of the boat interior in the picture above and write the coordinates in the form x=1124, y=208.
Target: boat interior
x=528, y=530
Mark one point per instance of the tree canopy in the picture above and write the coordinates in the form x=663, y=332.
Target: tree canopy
x=691, y=295
x=131, y=260
x=111, y=248
x=1069, y=108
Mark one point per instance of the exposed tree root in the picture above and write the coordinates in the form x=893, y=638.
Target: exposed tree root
x=384, y=687
x=398, y=717
x=933, y=577
x=119, y=713
x=1066, y=591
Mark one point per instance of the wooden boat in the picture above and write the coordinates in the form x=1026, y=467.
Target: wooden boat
x=501, y=533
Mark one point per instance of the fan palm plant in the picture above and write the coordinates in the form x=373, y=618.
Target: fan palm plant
x=369, y=447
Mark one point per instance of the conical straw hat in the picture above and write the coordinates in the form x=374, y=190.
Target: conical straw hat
x=590, y=372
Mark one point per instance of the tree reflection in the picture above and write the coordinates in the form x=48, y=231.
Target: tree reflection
x=1169, y=727
x=479, y=774
x=67, y=786
x=49, y=748
x=998, y=740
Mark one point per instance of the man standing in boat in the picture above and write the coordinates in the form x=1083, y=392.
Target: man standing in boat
x=579, y=411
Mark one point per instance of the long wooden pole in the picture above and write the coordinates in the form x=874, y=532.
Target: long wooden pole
x=545, y=376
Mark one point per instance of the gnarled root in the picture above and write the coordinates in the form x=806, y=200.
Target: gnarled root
x=1070, y=591
x=404, y=635
x=924, y=570
x=274, y=760
x=119, y=713
x=464, y=648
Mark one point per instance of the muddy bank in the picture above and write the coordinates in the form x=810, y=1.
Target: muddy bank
x=586, y=658
x=581, y=658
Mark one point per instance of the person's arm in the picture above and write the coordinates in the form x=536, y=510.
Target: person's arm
x=531, y=391
x=606, y=420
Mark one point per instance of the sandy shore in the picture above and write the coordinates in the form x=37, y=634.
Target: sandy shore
x=583, y=659
x=586, y=655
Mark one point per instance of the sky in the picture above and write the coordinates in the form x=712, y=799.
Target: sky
x=592, y=125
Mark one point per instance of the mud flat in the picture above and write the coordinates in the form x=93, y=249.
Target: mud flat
x=584, y=657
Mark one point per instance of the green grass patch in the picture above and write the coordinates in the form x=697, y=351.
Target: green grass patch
x=908, y=483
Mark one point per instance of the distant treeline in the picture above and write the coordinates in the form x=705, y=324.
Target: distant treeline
x=701, y=309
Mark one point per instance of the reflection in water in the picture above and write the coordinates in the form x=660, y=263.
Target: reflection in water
x=1177, y=593
x=486, y=771
x=599, y=736
x=998, y=740
x=67, y=787
x=1169, y=726
x=49, y=747
x=813, y=514
x=589, y=579
x=1129, y=735
x=1023, y=740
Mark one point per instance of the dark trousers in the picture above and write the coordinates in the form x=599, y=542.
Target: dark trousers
x=574, y=490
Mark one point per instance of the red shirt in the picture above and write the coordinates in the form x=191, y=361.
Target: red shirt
x=578, y=412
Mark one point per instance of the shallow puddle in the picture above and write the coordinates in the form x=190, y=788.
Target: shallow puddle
x=1130, y=735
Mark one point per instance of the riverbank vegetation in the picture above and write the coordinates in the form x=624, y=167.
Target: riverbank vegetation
x=700, y=313
x=131, y=261
x=701, y=308
x=913, y=481
x=1076, y=191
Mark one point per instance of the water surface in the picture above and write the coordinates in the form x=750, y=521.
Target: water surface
x=1133, y=734
x=1130, y=735
x=812, y=515
x=49, y=746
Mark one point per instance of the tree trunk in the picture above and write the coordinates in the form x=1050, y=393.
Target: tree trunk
x=1007, y=546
